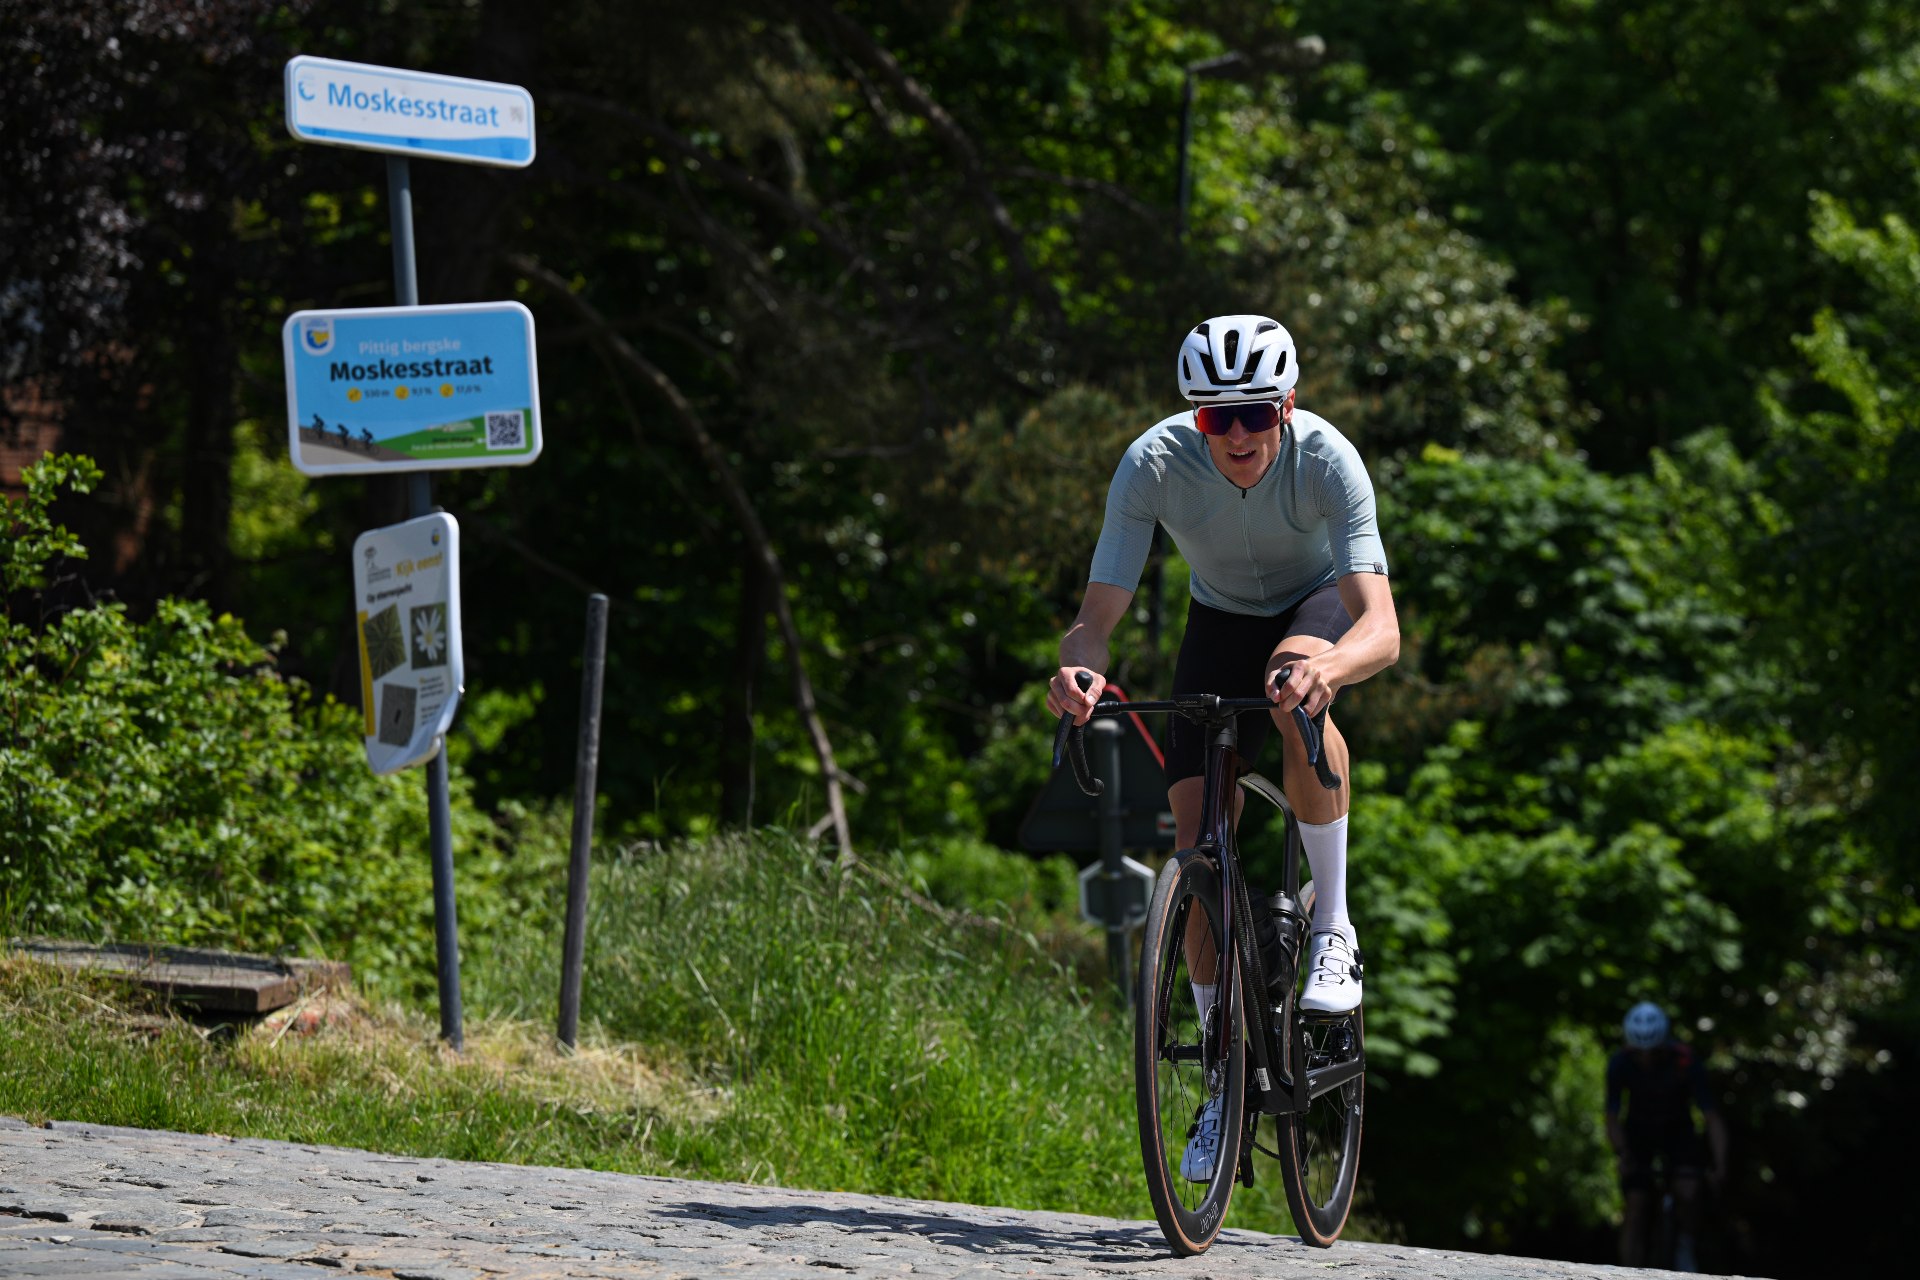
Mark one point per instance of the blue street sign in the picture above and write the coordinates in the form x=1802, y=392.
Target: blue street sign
x=409, y=113
x=384, y=389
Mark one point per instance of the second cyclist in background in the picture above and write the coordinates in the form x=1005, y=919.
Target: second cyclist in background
x=1660, y=1080
x=1273, y=509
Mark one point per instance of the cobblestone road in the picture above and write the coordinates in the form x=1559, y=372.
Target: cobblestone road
x=104, y=1203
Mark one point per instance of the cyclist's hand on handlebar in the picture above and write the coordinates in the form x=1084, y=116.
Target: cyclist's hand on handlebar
x=1301, y=682
x=1064, y=694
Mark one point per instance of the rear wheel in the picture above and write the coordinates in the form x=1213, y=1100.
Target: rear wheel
x=1320, y=1150
x=1181, y=1061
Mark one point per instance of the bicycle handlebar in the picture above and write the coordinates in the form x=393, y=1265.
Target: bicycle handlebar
x=1073, y=736
x=1070, y=739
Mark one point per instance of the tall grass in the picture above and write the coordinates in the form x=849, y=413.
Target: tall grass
x=750, y=1012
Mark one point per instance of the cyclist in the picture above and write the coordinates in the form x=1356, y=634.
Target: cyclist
x=1661, y=1081
x=1273, y=509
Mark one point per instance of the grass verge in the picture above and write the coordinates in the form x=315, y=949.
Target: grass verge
x=750, y=1013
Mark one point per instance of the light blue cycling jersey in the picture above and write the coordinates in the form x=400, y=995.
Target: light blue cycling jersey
x=1256, y=551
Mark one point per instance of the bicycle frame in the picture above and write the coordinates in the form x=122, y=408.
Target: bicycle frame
x=1274, y=1092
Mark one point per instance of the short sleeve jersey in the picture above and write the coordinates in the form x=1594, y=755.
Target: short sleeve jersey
x=1258, y=551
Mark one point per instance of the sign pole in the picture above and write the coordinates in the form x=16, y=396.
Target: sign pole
x=586, y=766
x=446, y=933
x=1112, y=855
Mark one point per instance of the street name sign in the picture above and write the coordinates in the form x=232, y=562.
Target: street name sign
x=385, y=389
x=409, y=113
x=406, y=600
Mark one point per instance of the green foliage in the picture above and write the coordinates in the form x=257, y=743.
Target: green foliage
x=1841, y=559
x=1648, y=162
x=983, y=878
x=163, y=784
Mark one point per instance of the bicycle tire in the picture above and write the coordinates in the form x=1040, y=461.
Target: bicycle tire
x=1319, y=1151
x=1177, y=1065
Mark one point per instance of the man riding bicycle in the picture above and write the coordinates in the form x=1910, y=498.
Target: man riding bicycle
x=1273, y=509
x=1661, y=1080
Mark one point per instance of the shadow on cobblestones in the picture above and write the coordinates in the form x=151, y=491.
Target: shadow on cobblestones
x=974, y=1230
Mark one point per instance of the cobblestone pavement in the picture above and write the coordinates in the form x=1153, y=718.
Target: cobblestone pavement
x=103, y=1203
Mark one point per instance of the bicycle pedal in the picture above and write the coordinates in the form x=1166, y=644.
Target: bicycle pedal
x=1328, y=1019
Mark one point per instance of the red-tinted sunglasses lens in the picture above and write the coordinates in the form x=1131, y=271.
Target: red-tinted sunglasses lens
x=1218, y=419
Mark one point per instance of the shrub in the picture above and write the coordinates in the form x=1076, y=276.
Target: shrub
x=161, y=782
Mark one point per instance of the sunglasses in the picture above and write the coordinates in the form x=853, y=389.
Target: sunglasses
x=1218, y=419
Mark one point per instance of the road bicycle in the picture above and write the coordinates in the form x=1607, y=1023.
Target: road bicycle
x=1256, y=1049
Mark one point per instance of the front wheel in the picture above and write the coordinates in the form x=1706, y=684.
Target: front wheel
x=1182, y=1061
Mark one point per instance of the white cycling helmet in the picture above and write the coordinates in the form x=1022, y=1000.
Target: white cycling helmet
x=1232, y=359
x=1646, y=1026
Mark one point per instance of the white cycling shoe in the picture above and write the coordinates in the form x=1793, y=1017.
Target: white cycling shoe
x=1203, y=1141
x=1333, y=971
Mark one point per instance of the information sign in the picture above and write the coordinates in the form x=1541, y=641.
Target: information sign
x=406, y=598
x=409, y=113
x=1116, y=899
x=383, y=389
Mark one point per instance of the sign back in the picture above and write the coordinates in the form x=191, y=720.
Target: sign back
x=409, y=113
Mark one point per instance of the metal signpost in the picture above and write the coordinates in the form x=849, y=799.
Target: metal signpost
x=1129, y=813
x=436, y=389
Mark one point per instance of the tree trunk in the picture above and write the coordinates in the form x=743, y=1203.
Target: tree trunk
x=206, y=484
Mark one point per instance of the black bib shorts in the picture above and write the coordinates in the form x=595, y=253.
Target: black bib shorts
x=1226, y=653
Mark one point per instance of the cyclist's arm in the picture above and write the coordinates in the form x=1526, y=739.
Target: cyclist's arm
x=1717, y=1143
x=1370, y=646
x=1616, y=1132
x=1084, y=648
x=1709, y=1112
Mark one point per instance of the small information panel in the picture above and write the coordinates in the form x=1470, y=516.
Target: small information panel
x=382, y=389
x=409, y=113
x=406, y=598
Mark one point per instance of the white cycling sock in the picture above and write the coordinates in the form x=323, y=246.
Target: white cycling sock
x=1203, y=996
x=1326, y=846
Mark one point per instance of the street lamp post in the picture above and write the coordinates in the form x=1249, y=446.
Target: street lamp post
x=1297, y=55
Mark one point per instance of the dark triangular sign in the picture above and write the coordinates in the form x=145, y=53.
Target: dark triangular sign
x=1065, y=819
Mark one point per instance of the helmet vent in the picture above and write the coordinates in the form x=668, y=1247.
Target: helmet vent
x=1233, y=347
x=1186, y=370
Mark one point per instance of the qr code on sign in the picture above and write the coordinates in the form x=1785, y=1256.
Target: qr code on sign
x=507, y=430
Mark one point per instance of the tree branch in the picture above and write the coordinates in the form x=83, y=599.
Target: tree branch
x=735, y=178
x=863, y=46
x=743, y=509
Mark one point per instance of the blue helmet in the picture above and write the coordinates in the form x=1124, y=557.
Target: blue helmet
x=1645, y=1026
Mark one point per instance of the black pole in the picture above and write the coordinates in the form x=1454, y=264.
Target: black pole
x=1156, y=553
x=586, y=767
x=1112, y=855
x=1185, y=190
x=446, y=931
